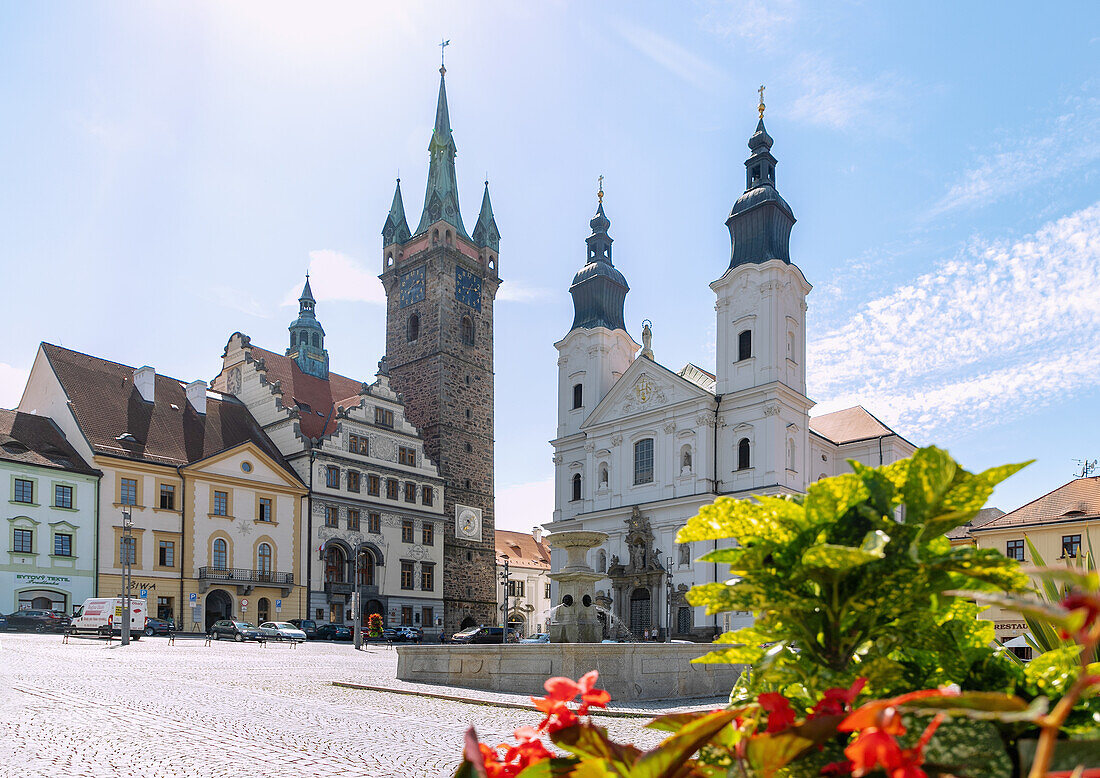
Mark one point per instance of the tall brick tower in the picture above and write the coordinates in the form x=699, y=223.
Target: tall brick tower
x=440, y=285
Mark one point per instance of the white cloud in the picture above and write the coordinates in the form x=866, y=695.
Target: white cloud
x=1018, y=164
x=828, y=96
x=334, y=276
x=523, y=506
x=759, y=23
x=236, y=300
x=12, y=381
x=998, y=331
x=670, y=55
x=517, y=292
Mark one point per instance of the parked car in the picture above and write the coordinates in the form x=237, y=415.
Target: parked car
x=483, y=635
x=103, y=615
x=282, y=630
x=157, y=627
x=333, y=632
x=239, y=631
x=411, y=634
x=390, y=635
x=3, y=622
x=307, y=626
x=38, y=621
x=538, y=637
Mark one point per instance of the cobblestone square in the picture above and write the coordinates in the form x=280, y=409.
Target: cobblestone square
x=89, y=709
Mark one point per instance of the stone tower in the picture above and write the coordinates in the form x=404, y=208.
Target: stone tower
x=440, y=286
x=761, y=343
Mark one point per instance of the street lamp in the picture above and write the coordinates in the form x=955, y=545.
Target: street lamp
x=357, y=608
x=504, y=580
x=127, y=572
x=668, y=624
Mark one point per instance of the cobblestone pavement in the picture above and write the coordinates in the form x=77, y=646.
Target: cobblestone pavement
x=89, y=709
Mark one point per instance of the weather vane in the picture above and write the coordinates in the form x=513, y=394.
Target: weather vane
x=599, y=194
x=761, y=106
x=442, y=45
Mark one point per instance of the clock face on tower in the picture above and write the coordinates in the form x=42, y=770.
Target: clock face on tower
x=467, y=288
x=467, y=522
x=412, y=287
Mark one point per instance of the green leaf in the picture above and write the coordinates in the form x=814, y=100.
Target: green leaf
x=567, y=767
x=1028, y=606
x=738, y=655
x=586, y=740
x=829, y=499
x=931, y=471
x=768, y=752
x=982, y=705
x=667, y=759
x=837, y=560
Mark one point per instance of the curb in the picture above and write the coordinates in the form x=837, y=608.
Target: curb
x=497, y=704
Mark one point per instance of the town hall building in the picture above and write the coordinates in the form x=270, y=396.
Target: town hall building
x=640, y=447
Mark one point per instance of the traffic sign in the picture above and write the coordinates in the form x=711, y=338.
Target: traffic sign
x=194, y=598
x=144, y=593
x=278, y=605
x=244, y=609
x=244, y=603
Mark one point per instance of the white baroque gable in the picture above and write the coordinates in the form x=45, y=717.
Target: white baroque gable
x=645, y=386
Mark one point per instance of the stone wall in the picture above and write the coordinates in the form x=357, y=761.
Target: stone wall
x=629, y=671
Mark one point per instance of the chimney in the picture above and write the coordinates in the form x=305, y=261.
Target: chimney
x=196, y=395
x=536, y=533
x=145, y=379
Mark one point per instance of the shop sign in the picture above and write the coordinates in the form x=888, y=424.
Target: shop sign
x=42, y=578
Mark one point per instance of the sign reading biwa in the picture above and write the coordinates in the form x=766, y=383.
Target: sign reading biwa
x=42, y=578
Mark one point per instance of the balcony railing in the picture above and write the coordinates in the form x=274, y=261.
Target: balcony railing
x=244, y=575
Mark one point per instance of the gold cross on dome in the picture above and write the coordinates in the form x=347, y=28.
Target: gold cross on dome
x=599, y=194
x=761, y=106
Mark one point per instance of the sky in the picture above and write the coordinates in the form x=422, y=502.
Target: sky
x=168, y=173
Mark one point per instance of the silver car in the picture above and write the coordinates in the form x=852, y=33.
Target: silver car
x=281, y=630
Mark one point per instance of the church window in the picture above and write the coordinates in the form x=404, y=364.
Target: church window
x=792, y=455
x=744, y=345
x=578, y=396
x=790, y=346
x=467, y=331
x=576, y=486
x=643, y=461
x=412, y=331
x=743, y=454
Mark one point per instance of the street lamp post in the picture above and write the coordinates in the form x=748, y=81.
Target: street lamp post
x=357, y=614
x=504, y=580
x=668, y=568
x=127, y=572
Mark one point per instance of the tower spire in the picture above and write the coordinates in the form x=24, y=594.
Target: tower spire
x=307, y=336
x=441, y=195
x=486, y=233
x=396, y=228
x=599, y=289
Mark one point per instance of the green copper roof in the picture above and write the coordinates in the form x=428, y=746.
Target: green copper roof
x=396, y=229
x=485, y=231
x=441, y=196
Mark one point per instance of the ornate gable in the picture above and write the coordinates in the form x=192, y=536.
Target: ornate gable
x=644, y=387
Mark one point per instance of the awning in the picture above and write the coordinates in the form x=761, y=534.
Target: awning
x=1020, y=641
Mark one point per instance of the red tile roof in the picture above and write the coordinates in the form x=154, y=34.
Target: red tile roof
x=37, y=440
x=1078, y=499
x=168, y=431
x=317, y=398
x=522, y=550
x=849, y=425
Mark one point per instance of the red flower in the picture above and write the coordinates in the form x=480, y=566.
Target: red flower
x=869, y=714
x=1090, y=603
x=560, y=692
x=778, y=708
x=837, y=701
x=837, y=768
x=875, y=746
x=526, y=752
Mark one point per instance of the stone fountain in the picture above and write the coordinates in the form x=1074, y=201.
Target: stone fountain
x=575, y=619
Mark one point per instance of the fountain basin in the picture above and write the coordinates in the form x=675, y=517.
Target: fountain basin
x=629, y=671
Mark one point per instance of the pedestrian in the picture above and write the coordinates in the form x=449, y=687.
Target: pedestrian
x=442, y=637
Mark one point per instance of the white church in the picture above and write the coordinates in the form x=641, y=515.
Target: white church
x=640, y=447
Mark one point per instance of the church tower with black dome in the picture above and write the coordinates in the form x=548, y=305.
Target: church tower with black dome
x=441, y=282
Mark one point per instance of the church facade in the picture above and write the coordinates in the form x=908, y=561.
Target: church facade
x=640, y=447
x=441, y=282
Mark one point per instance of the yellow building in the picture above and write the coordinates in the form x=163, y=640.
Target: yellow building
x=192, y=468
x=1062, y=525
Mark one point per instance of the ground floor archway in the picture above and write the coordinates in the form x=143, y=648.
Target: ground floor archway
x=263, y=610
x=467, y=622
x=42, y=600
x=219, y=605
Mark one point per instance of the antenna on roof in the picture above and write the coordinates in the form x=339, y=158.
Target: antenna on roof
x=1088, y=467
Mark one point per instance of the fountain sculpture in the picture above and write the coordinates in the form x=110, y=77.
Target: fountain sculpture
x=575, y=620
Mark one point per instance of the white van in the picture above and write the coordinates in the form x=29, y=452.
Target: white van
x=103, y=615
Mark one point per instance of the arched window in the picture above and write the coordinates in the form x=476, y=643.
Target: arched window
x=293, y=339
x=577, y=486
x=316, y=340
x=792, y=455
x=578, y=396
x=435, y=237
x=467, y=331
x=643, y=461
x=790, y=346
x=334, y=565
x=743, y=454
x=412, y=331
x=744, y=345
x=220, y=557
x=263, y=559
x=366, y=569
x=450, y=238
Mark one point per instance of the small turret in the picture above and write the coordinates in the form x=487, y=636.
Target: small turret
x=598, y=289
x=307, y=337
x=486, y=234
x=396, y=228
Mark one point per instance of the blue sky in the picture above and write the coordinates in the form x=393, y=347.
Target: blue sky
x=170, y=171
